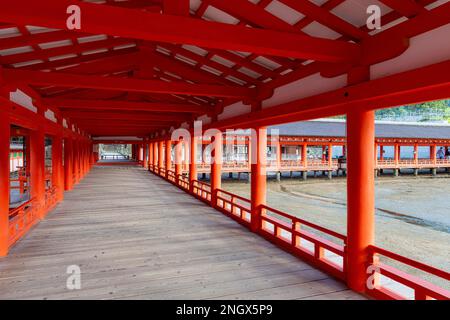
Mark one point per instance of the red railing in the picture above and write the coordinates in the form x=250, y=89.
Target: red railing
x=162, y=172
x=322, y=247
x=21, y=219
x=183, y=182
x=171, y=176
x=302, y=238
x=50, y=198
x=391, y=283
x=202, y=190
x=237, y=207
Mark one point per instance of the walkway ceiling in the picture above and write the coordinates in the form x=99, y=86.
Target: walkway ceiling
x=139, y=67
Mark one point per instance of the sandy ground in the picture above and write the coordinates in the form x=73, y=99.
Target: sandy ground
x=412, y=216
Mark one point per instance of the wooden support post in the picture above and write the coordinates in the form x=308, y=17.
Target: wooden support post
x=168, y=157
x=68, y=164
x=193, y=162
x=216, y=166
x=160, y=156
x=396, y=159
x=330, y=161
x=37, y=168
x=4, y=182
x=178, y=159
x=360, y=190
x=150, y=155
x=258, y=176
x=433, y=151
x=416, y=154
x=305, y=156
x=155, y=157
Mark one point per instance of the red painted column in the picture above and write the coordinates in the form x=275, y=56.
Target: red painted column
x=193, y=162
x=216, y=166
x=150, y=155
x=433, y=153
x=145, y=146
x=178, y=159
x=4, y=182
x=168, y=157
x=68, y=164
x=330, y=155
x=396, y=154
x=258, y=160
x=141, y=154
x=361, y=199
x=37, y=168
x=375, y=154
x=160, y=156
x=416, y=154
x=381, y=152
x=305, y=155
x=155, y=157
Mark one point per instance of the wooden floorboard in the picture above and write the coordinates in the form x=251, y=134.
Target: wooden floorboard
x=135, y=236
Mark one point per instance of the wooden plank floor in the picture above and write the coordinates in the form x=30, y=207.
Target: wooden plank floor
x=135, y=236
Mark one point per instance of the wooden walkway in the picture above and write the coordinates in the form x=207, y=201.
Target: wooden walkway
x=135, y=236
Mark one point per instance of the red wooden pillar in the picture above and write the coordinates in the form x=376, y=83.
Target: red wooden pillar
x=4, y=182
x=433, y=153
x=145, y=146
x=330, y=155
x=305, y=155
x=396, y=154
x=68, y=164
x=178, y=159
x=155, y=156
x=37, y=168
x=193, y=163
x=258, y=176
x=216, y=166
x=141, y=154
x=160, y=156
x=360, y=191
x=168, y=157
x=375, y=154
x=150, y=156
x=416, y=154
x=381, y=152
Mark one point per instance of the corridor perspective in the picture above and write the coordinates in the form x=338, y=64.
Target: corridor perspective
x=136, y=236
x=225, y=149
